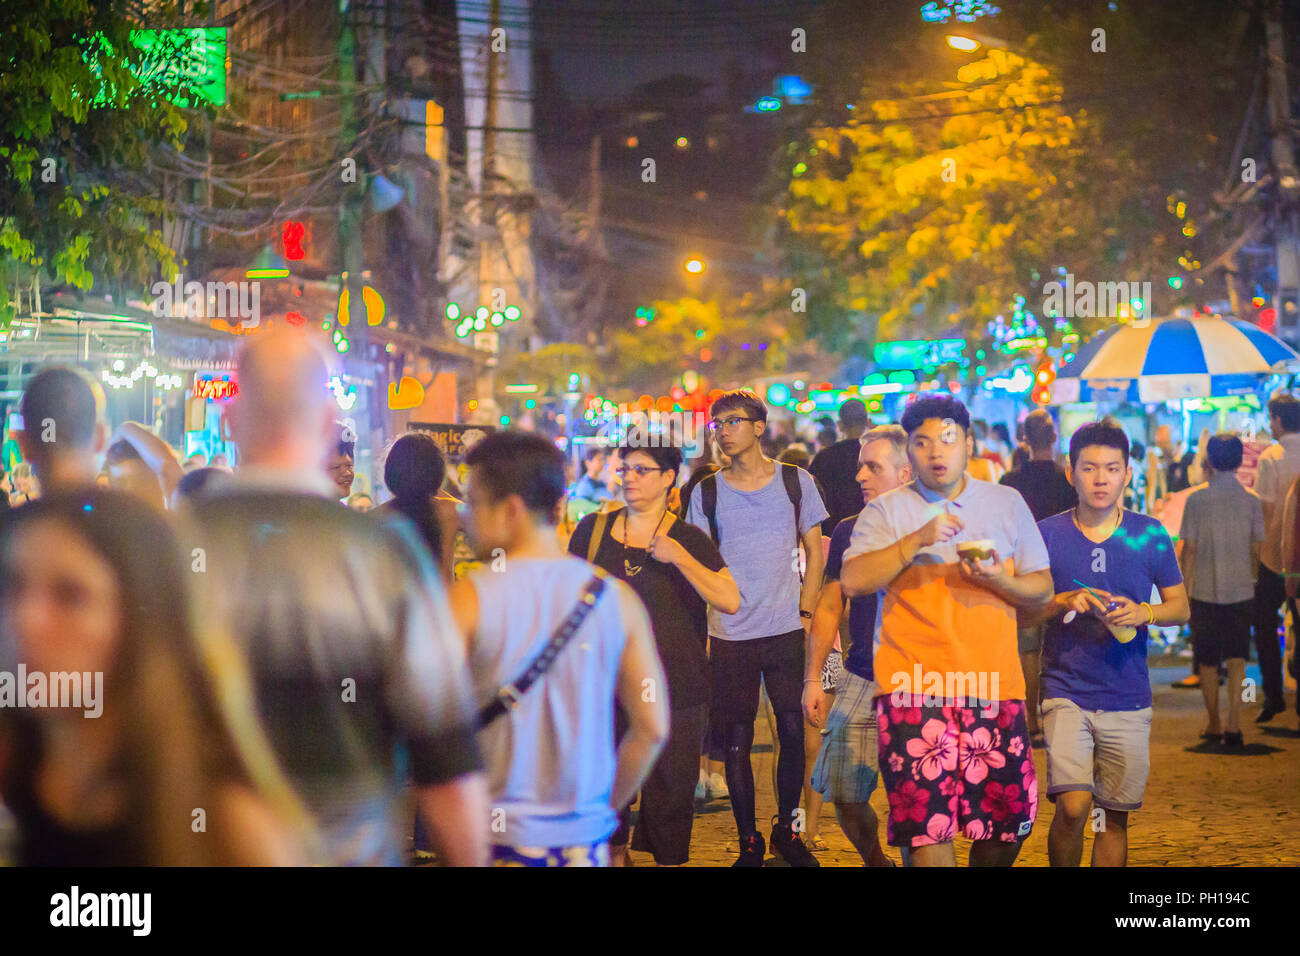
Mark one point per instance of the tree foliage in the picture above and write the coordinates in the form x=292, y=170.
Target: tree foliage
x=74, y=113
x=934, y=223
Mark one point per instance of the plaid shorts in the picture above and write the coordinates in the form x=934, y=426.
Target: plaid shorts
x=846, y=770
x=584, y=854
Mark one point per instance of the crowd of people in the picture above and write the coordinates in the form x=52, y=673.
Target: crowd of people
x=291, y=675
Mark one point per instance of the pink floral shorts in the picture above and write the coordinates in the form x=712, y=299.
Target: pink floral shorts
x=950, y=770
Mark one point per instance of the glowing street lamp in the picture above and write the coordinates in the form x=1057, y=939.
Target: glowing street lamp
x=694, y=266
x=973, y=42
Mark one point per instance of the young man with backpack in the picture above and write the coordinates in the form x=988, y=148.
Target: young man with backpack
x=760, y=513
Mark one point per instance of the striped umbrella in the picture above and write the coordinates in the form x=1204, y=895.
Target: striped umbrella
x=1170, y=359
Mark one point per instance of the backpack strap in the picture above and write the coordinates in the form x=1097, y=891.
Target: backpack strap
x=793, y=491
x=598, y=532
x=709, y=502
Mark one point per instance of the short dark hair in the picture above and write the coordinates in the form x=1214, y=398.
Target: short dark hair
x=934, y=405
x=1286, y=409
x=196, y=482
x=345, y=440
x=1224, y=452
x=1098, y=433
x=414, y=467
x=1040, y=430
x=593, y=452
x=121, y=451
x=853, y=414
x=744, y=399
x=667, y=457
x=65, y=396
x=796, y=454
x=519, y=463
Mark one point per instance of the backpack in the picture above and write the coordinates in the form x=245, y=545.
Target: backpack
x=708, y=488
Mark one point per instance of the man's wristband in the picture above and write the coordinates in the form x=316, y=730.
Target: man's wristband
x=1151, y=611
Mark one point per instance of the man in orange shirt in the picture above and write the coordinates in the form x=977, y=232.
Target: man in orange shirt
x=953, y=557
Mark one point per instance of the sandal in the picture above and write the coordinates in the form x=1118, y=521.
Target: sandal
x=817, y=844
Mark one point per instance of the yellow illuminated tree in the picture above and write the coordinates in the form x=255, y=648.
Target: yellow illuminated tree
x=929, y=213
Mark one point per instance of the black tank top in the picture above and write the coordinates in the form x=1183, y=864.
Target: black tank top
x=45, y=841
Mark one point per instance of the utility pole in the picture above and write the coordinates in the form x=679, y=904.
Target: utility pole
x=351, y=244
x=488, y=168
x=488, y=230
x=1286, y=234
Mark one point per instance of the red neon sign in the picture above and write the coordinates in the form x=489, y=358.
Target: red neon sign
x=293, y=235
x=214, y=389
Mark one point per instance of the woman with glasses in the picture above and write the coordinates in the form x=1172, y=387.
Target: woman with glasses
x=677, y=571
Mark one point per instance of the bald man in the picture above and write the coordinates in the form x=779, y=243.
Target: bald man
x=345, y=624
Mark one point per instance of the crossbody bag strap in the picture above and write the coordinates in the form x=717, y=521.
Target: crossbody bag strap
x=598, y=532
x=507, y=698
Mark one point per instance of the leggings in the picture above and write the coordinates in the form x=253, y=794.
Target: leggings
x=739, y=738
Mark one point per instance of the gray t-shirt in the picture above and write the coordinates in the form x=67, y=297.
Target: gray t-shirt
x=757, y=535
x=1222, y=519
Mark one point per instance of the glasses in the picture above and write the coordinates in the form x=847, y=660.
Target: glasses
x=639, y=470
x=715, y=425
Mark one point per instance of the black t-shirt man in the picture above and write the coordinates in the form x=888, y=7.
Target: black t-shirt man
x=836, y=470
x=1044, y=487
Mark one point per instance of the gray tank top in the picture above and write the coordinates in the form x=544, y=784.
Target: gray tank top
x=551, y=759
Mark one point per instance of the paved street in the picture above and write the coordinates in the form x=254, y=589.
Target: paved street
x=1201, y=808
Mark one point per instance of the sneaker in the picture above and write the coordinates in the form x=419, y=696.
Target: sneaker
x=787, y=845
x=752, y=851
x=702, y=787
x=717, y=784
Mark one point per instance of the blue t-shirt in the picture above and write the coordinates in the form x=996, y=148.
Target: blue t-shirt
x=1082, y=661
x=757, y=540
x=862, y=610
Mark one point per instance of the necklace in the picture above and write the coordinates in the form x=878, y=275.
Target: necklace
x=628, y=569
x=1119, y=519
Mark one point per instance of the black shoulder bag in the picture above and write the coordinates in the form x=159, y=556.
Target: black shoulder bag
x=507, y=698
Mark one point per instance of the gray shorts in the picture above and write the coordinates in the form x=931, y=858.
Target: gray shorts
x=847, y=765
x=1106, y=752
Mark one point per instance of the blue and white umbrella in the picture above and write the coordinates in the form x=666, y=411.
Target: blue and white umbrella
x=1167, y=360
